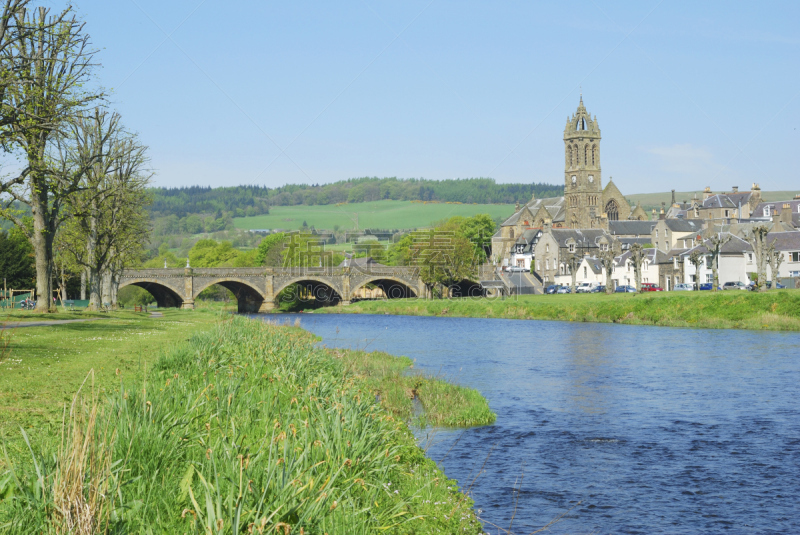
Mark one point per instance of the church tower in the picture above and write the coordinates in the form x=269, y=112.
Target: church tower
x=583, y=191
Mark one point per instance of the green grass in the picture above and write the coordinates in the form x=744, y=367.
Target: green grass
x=245, y=427
x=377, y=214
x=777, y=310
x=46, y=365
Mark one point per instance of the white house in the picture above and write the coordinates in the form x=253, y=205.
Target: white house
x=736, y=262
x=623, y=274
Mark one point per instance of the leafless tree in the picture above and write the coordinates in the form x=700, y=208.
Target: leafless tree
x=573, y=263
x=50, y=67
x=607, y=259
x=775, y=261
x=637, y=259
x=696, y=259
x=757, y=237
x=715, y=243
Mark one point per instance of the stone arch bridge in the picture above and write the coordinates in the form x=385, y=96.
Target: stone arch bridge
x=256, y=289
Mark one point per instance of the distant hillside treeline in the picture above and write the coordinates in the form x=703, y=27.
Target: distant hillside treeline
x=240, y=201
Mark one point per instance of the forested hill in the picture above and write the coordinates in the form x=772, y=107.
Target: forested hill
x=241, y=201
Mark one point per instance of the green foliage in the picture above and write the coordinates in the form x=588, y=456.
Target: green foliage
x=17, y=264
x=269, y=251
x=210, y=253
x=133, y=295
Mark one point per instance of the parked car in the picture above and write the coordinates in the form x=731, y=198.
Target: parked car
x=625, y=289
x=684, y=287
x=752, y=286
x=518, y=269
x=553, y=288
x=734, y=285
x=585, y=287
x=600, y=289
x=563, y=290
x=651, y=287
x=706, y=286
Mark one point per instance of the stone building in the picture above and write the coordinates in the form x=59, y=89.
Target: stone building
x=586, y=204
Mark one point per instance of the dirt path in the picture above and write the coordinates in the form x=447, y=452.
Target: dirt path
x=41, y=323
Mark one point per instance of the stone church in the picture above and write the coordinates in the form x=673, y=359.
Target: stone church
x=586, y=204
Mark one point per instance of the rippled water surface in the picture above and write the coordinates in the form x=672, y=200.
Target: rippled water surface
x=651, y=429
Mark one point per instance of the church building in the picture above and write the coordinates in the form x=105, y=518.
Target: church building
x=586, y=204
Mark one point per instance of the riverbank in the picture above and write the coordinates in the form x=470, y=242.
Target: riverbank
x=777, y=310
x=247, y=425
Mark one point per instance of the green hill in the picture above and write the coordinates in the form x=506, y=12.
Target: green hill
x=377, y=215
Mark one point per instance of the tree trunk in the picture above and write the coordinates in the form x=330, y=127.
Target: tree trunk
x=114, y=288
x=91, y=260
x=637, y=278
x=574, y=274
x=42, y=246
x=83, y=284
x=715, y=273
x=106, y=295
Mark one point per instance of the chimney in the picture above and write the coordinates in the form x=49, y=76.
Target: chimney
x=604, y=221
x=707, y=193
x=654, y=213
x=662, y=215
x=548, y=224
x=673, y=197
x=736, y=189
x=516, y=207
x=786, y=213
x=797, y=197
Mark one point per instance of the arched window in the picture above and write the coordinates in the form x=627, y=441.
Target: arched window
x=594, y=154
x=612, y=210
x=586, y=154
x=569, y=150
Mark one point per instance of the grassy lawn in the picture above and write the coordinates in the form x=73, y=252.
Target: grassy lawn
x=777, y=310
x=43, y=366
x=377, y=214
x=235, y=426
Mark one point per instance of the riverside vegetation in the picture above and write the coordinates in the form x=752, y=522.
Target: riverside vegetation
x=245, y=427
x=777, y=310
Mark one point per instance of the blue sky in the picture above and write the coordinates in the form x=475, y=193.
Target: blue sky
x=687, y=94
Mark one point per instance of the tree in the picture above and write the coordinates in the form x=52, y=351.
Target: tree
x=696, y=259
x=775, y=261
x=637, y=259
x=50, y=66
x=16, y=260
x=573, y=263
x=109, y=218
x=716, y=242
x=757, y=237
x=607, y=259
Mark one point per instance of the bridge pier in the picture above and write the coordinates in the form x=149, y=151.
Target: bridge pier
x=188, y=304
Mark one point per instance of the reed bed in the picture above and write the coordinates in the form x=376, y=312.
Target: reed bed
x=247, y=428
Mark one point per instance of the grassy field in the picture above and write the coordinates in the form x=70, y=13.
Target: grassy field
x=201, y=422
x=777, y=310
x=378, y=214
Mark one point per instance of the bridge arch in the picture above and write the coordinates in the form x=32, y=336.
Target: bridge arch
x=166, y=296
x=249, y=299
x=311, y=287
x=392, y=287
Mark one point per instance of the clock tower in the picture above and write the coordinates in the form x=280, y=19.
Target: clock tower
x=583, y=191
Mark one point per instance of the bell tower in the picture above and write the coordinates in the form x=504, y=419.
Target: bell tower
x=583, y=191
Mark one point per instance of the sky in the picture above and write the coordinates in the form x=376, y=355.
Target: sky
x=687, y=94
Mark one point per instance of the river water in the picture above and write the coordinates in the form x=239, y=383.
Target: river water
x=626, y=429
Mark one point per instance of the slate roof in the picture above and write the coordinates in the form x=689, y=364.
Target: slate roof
x=631, y=228
x=651, y=255
x=361, y=262
x=583, y=237
x=627, y=241
x=775, y=208
x=553, y=205
x=719, y=201
x=684, y=225
x=785, y=241
x=528, y=236
x=735, y=246
x=594, y=264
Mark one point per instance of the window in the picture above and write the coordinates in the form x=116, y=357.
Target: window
x=710, y=277
x=547, y=264
x=766, y=211
x=794, y=273
x=547, y=248
x=727, y=213
x=656, y=233
x=795, y=256
x=749, y=257
x=571, y=247
x=645, y=265
x=584, y=272
x=604, y=247
x=629, y=265
x=538, y=266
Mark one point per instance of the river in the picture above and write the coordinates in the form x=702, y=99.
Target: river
x=626, y=429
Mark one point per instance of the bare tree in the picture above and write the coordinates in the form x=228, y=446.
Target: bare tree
x=607, y=259
x=51, y=66
x=637, y=259
x=775, y=261
x=573, y=263
x=696, y=259
x=757, y=237
x=716, y=242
